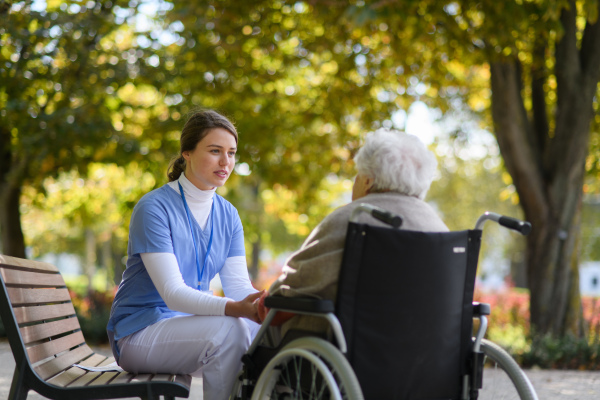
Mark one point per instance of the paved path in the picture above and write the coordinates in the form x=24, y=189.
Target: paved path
x=550, y=385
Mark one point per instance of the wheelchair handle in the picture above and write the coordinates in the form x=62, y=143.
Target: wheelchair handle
x=523, y=227
x=378, y=213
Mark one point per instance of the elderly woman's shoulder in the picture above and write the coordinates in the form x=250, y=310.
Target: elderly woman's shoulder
x=416, y=213
x=341, y=215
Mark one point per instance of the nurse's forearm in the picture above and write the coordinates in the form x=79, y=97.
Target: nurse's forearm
x=166, y=276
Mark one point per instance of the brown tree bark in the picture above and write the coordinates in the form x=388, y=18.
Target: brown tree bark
x=548, y=168
x=13, y=243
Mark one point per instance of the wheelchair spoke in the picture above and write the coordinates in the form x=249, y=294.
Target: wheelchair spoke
x=316, y=389
x=313, y=379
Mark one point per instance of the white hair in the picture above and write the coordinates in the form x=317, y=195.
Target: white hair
x=397, y=162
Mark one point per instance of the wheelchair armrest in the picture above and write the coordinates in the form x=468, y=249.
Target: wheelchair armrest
x=480, y=309
x=302, y=304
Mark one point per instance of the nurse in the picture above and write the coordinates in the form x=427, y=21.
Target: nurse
x=164, y=319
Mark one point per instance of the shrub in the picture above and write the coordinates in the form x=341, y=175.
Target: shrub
x=567, y=352
x=509, y=327
x=509, y=319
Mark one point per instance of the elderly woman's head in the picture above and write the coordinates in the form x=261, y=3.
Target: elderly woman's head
x=392, y=161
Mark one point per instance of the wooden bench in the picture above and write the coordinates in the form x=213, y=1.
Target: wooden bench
x=46, y=340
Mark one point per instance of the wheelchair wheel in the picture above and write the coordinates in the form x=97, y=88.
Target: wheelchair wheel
x=503, y=378
x=308, y=368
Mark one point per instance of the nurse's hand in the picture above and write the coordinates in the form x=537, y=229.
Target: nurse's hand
x=246, y=308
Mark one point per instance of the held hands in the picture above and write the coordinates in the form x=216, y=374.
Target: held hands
x=281, y=316
x=246, y=308
x=262, y=310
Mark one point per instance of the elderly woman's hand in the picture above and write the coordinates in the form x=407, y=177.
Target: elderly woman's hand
x=279, y=319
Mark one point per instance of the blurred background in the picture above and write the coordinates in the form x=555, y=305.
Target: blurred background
x=93, y=95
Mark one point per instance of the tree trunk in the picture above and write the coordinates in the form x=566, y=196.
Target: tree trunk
x=13, y=243
x=548, y=169
x=551, y=197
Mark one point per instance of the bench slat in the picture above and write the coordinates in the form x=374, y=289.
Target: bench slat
x=163, y=377
x=67, y=377
x=44, y=350
x=20, y=296
x=40, y=313
x=76, y=376
x=142, y=378
x=31, y=279
x=105, y=378
x=43, y=331
x=122, y=377
x=91, y=376
x=62, y=362
x=14, y=262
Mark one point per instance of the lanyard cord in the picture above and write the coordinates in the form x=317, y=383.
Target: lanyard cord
x=187, y=211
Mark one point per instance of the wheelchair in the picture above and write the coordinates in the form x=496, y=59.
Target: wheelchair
x=401, y=326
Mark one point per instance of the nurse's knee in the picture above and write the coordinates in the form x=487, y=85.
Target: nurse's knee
x=239, y=334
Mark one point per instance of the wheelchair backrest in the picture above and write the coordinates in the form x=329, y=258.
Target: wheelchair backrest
x=405, y=304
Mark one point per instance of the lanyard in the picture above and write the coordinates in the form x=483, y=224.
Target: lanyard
x=187, y=211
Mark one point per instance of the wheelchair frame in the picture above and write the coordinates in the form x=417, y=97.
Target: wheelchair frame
x=331, y=375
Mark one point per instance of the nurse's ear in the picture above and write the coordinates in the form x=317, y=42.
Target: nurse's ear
x=186, y=155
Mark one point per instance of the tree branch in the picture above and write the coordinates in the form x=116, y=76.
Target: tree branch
x=513, y=131
x=541, y=125
x=567, y=66
x=573, y=110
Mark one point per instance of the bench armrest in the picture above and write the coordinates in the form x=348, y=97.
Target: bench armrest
x=300, y=304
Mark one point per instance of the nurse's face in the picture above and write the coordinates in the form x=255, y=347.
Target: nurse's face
x=210, y=163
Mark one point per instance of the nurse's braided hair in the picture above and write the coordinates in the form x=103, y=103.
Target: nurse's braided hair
x=198, y=125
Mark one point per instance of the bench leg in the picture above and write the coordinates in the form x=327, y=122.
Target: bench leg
x=18, y=389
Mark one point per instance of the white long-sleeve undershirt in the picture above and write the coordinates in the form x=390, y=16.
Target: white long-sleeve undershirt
x=166, y=276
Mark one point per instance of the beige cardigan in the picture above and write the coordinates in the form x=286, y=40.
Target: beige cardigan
x=313, y=270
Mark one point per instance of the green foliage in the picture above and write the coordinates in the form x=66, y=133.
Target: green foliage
x=54, y=219
x=59, y=68
x=276, y=71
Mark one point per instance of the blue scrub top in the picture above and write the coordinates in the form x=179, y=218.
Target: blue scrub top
x=159, y=224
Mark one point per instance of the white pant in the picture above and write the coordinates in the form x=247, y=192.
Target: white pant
x=210, y=347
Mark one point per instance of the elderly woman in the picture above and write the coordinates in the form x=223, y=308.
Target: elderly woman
x=395, y=171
